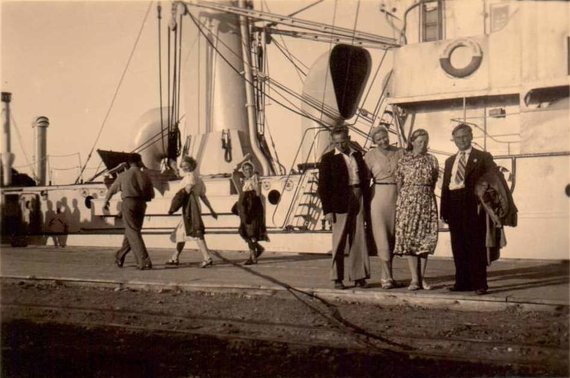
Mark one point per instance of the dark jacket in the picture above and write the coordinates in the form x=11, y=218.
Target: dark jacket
x=478, y=163
x=179, y=201
x=495, y=196
x=189, y=202
x=333, y=181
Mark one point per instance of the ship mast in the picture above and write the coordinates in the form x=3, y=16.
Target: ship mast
x=250, y=97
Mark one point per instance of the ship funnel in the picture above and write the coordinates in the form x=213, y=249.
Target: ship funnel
x=7, y=155
x=331, y=94
x=41, y=124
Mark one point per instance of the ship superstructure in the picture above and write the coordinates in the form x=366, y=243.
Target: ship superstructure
x=449, y=62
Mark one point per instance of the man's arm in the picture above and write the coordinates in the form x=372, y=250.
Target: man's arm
x=113, y=189
x=488, y=162
x=445, y=192
x=148, y=188
x=324, y=187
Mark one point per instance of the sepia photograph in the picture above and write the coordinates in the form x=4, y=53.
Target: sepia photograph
x=285, y=188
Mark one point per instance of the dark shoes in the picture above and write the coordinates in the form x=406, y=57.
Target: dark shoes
x=145, y=267
x=455, y=288
x=258, y=250
x=172, y=262
x=477, y=292
x=339, y=285
x=119, y=261
x=361, y=283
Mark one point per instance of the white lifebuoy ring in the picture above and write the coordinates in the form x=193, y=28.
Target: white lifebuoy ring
x=476, y=58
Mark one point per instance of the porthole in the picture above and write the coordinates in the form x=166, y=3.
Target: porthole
x=273, y=197
x=88, y=202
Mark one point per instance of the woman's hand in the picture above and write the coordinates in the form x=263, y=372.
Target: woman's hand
x=214, y=214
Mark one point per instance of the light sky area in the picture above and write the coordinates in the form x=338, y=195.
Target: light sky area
x=64, y=60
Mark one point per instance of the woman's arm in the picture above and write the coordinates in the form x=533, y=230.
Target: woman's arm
x=435, y=172
x=257, y=185
x=245, y=158
x=208, y=205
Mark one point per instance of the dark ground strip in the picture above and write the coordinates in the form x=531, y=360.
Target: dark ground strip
x=55, y=330
x=55, y=350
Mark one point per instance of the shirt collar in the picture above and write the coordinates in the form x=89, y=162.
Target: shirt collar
x=467, y=151
x=351, y=151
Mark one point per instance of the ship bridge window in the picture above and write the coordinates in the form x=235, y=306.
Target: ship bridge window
x=431, y=19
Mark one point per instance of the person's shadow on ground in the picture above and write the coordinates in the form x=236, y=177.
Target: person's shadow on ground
x=549, y=274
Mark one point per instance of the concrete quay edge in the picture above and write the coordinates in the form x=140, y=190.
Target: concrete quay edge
x=452, y=301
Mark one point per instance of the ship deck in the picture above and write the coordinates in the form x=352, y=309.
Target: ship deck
x=532, y=284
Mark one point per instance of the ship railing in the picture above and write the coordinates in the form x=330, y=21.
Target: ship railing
x=305, y=167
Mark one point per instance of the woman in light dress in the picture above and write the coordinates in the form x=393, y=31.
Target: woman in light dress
x=191, y=226
x=416, y=209
x=382, y=162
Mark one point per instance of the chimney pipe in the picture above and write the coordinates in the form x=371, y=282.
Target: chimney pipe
x=6, y=153
x=41, y=124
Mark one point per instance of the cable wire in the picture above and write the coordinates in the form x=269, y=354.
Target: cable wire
x=116, y=91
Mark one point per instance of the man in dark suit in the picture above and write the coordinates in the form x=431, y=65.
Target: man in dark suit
x=343, y=184
x=459, y=209
x=136, y=190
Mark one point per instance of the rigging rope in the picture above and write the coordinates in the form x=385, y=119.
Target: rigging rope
x=179, y=66
x=283, y=39
x=116, y=91
x=198, y=25
x=20, y=140
x=171, y=122
x=168, y=79
x=292, y=56
x=288, y=57
x=159, y=11
x=327, y=74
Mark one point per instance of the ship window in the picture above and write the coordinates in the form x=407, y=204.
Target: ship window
x=432, y=21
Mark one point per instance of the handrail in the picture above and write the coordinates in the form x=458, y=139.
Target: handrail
x=485, y=133
x=295, y=194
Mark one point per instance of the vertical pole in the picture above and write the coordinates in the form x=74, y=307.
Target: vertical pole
x=485, y=127
x=250, y=98
x=7, y=155
x=41, y=124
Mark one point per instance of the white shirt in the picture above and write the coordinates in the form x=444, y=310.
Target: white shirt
x=352, y=166
x=191, y=181
x=453, y=185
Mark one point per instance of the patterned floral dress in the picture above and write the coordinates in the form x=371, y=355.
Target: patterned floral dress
x=416, y=208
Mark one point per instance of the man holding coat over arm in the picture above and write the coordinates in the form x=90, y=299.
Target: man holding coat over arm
x=343, y=185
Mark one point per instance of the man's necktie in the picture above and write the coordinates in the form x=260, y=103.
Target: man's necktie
x=460, y=175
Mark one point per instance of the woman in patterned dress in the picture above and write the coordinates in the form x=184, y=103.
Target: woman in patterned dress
x=416, y=209
x=191, y=226
x=382, y=162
